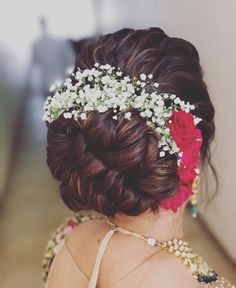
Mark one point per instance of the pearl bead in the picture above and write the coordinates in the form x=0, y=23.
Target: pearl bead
x=183, y=254
x=164, y=244
x=176, y=247
x=171, y=249
x=177, y=253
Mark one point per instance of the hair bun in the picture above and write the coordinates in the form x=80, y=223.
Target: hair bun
x=110, y=165
x=113, y=165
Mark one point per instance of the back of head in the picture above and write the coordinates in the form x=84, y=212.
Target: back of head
x=114, y=166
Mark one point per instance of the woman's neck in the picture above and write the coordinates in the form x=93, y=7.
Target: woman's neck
x=162, y=226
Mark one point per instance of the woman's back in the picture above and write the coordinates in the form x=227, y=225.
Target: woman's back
x=126, y=262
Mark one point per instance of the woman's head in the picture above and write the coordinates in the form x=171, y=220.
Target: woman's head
x=114, y=166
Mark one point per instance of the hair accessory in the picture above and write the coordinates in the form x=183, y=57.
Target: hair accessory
x=193, y=198
x=104, y=87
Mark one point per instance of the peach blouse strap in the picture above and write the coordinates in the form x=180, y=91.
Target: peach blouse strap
x=102, y=248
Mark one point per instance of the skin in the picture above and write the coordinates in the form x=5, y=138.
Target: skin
x=152, y=267
x=163, y=226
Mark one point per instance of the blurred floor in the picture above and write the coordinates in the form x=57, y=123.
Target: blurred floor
x=33, y=210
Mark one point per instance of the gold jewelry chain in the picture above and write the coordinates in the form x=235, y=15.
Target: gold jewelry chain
x=179, y=248
x=150, y=241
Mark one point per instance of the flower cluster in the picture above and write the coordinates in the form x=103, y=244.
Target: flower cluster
x=104, y=87
x=189, y=140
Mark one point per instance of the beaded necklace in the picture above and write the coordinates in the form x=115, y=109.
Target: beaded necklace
x=180, y=249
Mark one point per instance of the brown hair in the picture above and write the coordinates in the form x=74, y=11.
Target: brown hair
x=110, y=165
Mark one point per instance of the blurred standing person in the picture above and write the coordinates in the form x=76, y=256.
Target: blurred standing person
x=50, y=59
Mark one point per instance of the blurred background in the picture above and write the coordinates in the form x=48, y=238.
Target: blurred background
x=38, y=41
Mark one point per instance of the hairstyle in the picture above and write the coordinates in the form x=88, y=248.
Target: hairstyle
x=114, y=166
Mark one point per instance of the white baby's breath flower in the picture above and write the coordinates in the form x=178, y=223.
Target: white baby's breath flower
x=148, y=113
x=162, y=153
x=73, y=95
x=143, y=77
x=52, y=87
x=128, y=115
x=87, y=88
x=175, y=148
x=177, y=100
x=139, y=100
x=83, y=116
x=75, y=113
x=197, y=120
x=156, y=85
x=107, y=66
x=159, y=130
x=119, y=73
x=101, y=108
x=126, y=78
x=187, y=107
x=45, y=118
x=161, y=122
x=105, y=79
x=158, y=110
x=161, y=103
x=166, y=148
x=114, y=117
x=122, y=106
x=130, y=88
x=182, y=105
x=150, y=76
x=181, y=153
x=67, y=115
x=167, y=130
x=154, y=96
x=87, y=107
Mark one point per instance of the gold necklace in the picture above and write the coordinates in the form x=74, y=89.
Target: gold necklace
x=180, y=249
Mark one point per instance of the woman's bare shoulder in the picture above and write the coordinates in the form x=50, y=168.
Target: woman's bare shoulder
x=84, y=241
x=168, y=272
x=69, y=247
x=64, y=271
x=85, y=230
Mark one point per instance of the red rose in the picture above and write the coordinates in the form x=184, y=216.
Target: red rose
x=189, y=140
x=183, y=129
x=187, y=175
x=178, y=199
x=189, y=162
